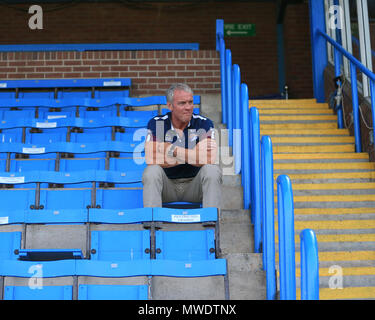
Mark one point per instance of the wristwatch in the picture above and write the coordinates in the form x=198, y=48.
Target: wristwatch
x=171, y=150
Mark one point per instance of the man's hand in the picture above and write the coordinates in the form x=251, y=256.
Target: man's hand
x=156, y=153
x=203, y=153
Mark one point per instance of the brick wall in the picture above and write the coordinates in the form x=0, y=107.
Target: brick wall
x=151, y=72
x=298, y=70
x=165, y=22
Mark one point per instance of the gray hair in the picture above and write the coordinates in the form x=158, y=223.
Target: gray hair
x=177, y=86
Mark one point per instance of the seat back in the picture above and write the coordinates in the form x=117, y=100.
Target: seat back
x=120, y=245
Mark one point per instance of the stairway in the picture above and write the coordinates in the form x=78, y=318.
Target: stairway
x=334, y=193
x=246, y=277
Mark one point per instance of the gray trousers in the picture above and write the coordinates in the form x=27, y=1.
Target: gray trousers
x=205, y=187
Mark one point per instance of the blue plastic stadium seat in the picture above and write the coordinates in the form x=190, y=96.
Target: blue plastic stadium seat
x=78, y=164
x=146, y=114
x=182, y=205
x=24, y=165
x=2, y=164
x=65, y=113
x=69, y=94
x=16, y=199
x=89, y=137
x=94, y=155
x=119, y=198
x=185, y=245
x=125, y=164
x=9, y=242
x=111, y=93
x=7, y=95
x=120, y=216
x=185, y=215
x=49, y=254
x=112, y=292
x=61, y=199
x=11, y=135
x=18, y=114
x=120, y=245
x=36, y=95
x=106, y=112
x=136, y=136
x=50, y=155
x=46, y=136
x=38, y=293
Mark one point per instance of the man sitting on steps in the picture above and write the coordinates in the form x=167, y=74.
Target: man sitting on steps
x=180, y=153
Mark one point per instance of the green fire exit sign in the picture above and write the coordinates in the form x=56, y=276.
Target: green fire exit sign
x=239, y=29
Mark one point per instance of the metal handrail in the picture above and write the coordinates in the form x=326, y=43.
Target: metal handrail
x=286, y=238
x=348, y=55
x=229, y=94
x=237, y=143
x=309, y=265
x=245, y=125
x=268, y=212
x=255, y=192
x=354, y=65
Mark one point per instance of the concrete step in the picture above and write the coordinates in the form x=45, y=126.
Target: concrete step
x=330, y=212
x=292, y=103
x=348, y=293
x=368, y=176
x=236, y=231
x=313, y=148
x=333, y=192
x=295, y=111
x=321, y=156
x=355, y=258
x=311, y=139
x=296, y=117
x=322, y=132
x=174, y=288
x=232, y=197
x=247, y=280
x=299, y=125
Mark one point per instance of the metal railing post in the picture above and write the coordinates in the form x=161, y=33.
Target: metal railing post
x=236, y=119
x=357, y=129
x=318, y=47
x=340, y=123
x=246, y=175
x=224, y=106
x=255, y=177
x=229, y=91
x=309, y=265
x=372, y=91
x=286, y=238
x=268, y=216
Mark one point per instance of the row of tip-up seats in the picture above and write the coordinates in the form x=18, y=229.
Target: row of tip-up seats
x=72, y=223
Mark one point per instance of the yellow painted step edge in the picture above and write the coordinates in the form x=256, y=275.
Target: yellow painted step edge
x=333, y=211
x=324, y=166
x=336, y=237
x=306, y=111
x=338, y=256
x=348, y=155
x=343, y=139
x=333, y=186
x=333, y=224
x=335, y=198
x=301, y=117
x=314, y=148
x=335, y=175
